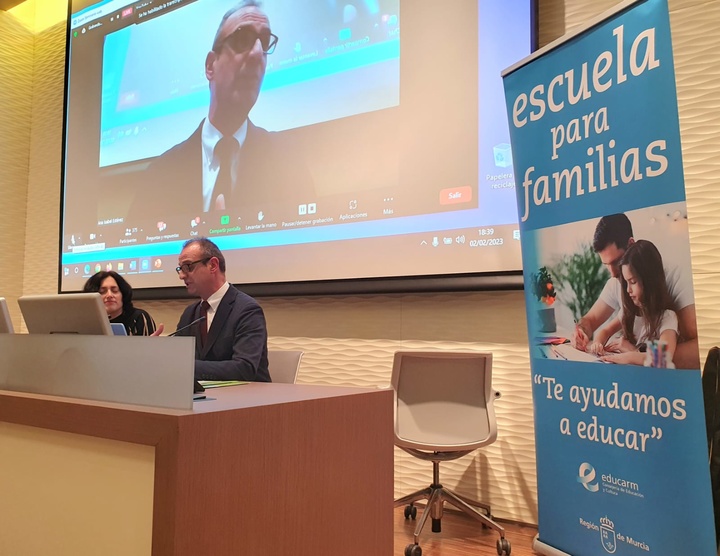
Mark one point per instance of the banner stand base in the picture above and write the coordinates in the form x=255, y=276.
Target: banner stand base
x=545, y=549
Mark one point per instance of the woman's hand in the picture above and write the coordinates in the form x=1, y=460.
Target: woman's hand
x=159, y=330
x=596, y=348
x=619, y=345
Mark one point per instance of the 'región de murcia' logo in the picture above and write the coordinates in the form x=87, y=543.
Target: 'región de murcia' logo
x=607, y=535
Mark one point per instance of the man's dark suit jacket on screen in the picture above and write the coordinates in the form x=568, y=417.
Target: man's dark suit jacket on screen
x=236, y=345
x=270, y=171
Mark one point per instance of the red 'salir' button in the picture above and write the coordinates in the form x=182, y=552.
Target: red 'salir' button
x=454, y=195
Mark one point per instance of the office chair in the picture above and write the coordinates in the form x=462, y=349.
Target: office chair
x=6, y=325
x=284, y=365
x=711, y=397
x=443, y=411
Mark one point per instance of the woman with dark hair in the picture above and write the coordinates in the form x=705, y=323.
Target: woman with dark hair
x=646, y=314
x=116, y=294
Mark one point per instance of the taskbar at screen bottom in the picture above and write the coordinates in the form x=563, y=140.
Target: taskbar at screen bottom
x=476, y=250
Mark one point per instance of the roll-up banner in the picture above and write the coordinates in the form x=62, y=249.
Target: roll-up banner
x=622, y=459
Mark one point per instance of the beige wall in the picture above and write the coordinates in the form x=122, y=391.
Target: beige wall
x=16, y=86
x=350, y=340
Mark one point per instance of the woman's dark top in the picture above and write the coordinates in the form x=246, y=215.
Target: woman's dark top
x=137, y=322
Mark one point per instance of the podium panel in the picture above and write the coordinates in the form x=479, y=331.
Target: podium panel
x=261, y=468
x=67, y=494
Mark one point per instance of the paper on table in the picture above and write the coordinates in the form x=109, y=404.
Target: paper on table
x=220, y=383
x=571, y=354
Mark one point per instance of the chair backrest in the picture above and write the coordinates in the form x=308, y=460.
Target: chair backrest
x=443, y=400
x=284, y=365
x=6, y=325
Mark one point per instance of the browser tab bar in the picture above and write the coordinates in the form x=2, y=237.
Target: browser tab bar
x=96, y=12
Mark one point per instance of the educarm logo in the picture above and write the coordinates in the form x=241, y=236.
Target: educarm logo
x=586, y=477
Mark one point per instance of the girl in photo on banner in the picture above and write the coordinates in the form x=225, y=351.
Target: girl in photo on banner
x=646, y=314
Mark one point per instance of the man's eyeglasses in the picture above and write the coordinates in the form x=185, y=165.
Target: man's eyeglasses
x=187, y=268
x=244, y=38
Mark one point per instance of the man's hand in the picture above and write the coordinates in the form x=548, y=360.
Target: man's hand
x=586, y=326
x=579, y=338
x=160, y=329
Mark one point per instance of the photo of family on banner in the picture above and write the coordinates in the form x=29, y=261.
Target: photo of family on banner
x=622, y=458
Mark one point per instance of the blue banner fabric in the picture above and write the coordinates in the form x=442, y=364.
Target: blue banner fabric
x=622, y=458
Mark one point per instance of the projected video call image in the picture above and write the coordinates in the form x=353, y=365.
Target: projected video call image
x=226, y=119
x=146, y=104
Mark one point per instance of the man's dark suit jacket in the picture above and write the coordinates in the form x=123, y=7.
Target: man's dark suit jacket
x=270, y=171
x=236, y=345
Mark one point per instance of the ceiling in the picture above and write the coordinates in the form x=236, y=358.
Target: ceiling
x=7, y=4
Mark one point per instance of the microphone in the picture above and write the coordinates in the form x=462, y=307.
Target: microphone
x=193, y=323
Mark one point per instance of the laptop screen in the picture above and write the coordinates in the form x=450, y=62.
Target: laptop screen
x=118, y=329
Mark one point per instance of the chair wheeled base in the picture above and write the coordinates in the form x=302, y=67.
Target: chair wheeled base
x=436, y=496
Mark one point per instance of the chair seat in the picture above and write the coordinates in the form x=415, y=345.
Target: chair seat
x=436, y=456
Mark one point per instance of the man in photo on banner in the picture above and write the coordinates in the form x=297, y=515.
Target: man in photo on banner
x=613, y=236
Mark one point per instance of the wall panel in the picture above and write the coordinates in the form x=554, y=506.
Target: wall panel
x=41, y=232
x=16, y=86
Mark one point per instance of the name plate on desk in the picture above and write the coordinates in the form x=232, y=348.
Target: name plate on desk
x=157, y=371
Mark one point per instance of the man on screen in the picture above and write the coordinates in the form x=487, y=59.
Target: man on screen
x=229, y=325
x=228, y=163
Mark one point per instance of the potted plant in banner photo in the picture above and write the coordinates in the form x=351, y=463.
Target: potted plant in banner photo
x=545, y=294
x=580, y=278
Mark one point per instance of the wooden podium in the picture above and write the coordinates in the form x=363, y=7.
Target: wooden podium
x=253, y=470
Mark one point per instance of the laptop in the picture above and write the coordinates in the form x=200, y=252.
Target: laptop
x=73, y=313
